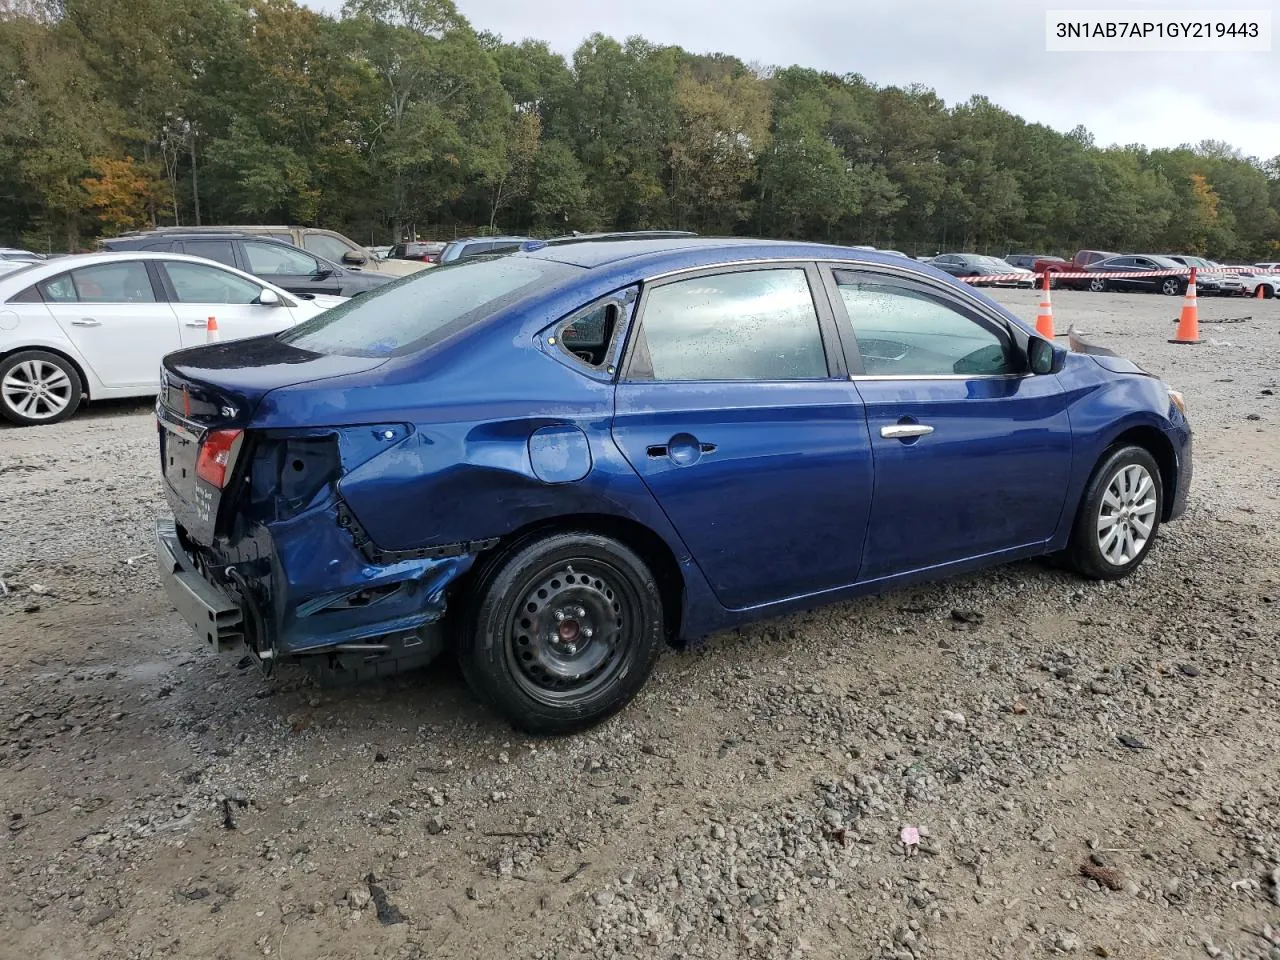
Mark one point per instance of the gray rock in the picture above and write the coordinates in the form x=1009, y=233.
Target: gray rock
x=359, y=897
x=435, y=825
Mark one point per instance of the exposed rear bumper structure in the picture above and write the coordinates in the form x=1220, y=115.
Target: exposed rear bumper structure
x=214, y=616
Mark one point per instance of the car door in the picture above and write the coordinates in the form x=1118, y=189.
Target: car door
x=198, y=291
x=972, y=454
x=735, y=408
x=116, y=319
x=1146, y=265
x=949, y=264
x=290, y=268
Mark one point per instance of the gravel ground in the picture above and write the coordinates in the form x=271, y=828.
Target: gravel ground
x=1092, y=768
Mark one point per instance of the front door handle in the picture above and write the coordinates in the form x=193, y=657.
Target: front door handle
x=86, y=322
x=904, y=431
x=197, y=323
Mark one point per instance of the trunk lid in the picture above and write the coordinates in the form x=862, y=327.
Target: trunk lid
x=207, y=396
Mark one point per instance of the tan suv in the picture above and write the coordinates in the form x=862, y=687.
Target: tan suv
x=328, y=244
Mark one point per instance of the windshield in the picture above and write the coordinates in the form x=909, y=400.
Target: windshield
x=424, y=308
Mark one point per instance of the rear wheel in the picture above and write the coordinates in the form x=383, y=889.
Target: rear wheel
x=1118, y=515
x=562, y=632
x=1173, y=287
x=1098, y=285
x=38, y=387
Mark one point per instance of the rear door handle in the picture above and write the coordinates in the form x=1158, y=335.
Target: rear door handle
x=197, y=323
x=86, y=322
x=902, y=431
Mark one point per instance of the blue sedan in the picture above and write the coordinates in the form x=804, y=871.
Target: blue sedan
x=555, y=462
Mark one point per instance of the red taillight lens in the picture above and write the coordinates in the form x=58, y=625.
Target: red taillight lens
x=217, y=454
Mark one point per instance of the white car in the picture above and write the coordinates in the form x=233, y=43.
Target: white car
x=95, y=327
x=1267, y=280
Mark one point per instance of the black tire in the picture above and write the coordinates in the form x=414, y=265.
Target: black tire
x=549, y=675
x=18, y=366
x=1084, y=552
x=1173, y=287
x=1099, y=285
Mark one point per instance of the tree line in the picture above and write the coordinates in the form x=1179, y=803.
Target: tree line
x=398, y=117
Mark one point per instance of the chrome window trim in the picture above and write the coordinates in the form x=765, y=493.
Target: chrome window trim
x=942, y=376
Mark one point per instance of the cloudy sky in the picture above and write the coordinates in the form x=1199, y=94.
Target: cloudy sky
x=957, y=47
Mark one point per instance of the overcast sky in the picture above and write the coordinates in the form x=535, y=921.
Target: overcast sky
x=957, y=47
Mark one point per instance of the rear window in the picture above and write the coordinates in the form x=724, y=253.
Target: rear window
x=423, y=308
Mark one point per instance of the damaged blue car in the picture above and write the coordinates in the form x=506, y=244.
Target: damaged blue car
x=555, y=462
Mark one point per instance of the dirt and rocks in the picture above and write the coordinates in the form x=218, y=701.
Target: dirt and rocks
x=1091, y=769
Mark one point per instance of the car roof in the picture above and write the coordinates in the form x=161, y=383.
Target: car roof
x=654, y=255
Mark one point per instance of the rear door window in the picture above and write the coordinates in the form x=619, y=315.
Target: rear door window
x=126, y=282
x=218, y=250
x=745, y=325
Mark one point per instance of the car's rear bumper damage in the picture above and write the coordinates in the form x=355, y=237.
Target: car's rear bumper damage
x=303, y=591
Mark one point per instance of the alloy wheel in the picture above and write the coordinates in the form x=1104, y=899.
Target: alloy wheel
x=37, y=390
x=1127, y=515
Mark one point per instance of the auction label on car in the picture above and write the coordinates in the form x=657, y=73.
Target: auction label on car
x=1157, y=31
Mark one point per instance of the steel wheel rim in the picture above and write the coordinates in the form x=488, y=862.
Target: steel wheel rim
x=570, y=634
x=37, y=389
x=1127, y=515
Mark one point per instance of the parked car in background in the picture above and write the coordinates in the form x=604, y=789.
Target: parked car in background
x=1253, y=279
x=327, y=245
x=94, y=327
x=976, y=265
x=9, y=266
x=672, y=438
x=1030, y=260
x=276, y=261
x=1211, y=277
x=1170, y=283
x=381, y=252
x=468, y=247
x=12, y=253
x=424, y=251
x=1078, y=263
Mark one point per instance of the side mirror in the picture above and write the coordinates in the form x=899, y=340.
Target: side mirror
x=1042, y=356
x=269, y=298
x=354, y=258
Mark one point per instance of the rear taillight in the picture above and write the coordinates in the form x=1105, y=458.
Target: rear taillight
x=217, y=456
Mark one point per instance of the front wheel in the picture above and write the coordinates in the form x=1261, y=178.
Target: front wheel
x=1098, y=285
x=1118, y=516
x=1172, y=287
x=38, y=387
x=562, y=632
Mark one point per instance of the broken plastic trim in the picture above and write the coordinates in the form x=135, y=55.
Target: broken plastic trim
x=376, y=554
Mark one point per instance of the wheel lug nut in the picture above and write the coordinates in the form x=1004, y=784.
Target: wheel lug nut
x=586, y=631
x=559, y=614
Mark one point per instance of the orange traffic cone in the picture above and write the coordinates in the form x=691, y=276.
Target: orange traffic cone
x=1044, y=319
x=212, y=330
x=1260, y=292
x=1189, y=322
